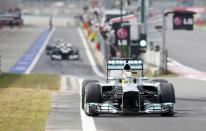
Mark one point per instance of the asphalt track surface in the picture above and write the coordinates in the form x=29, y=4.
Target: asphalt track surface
x=80, y=68
x=65, y=112
x=188, y=47
x=14, y=42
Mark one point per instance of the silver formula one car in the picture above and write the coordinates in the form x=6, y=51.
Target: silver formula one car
x=128, y=93
x=61, y=50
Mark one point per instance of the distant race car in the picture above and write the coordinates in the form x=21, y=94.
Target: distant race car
x=62, y=50
x=127, y=93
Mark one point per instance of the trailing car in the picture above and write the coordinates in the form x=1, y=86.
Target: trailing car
x=128, y=93
x=61, y=50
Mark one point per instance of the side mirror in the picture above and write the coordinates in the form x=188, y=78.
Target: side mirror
x=135, y=80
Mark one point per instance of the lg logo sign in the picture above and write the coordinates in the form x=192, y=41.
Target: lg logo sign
x=188, y=21
x=178, y=21
x=122, y=33
x=122, y=36
x=183, y=21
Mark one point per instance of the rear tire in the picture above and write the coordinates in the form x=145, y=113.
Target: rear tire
x=167, y=95
x=92, y=95
x=52, y=58
x=84, y=84
x=160, y=80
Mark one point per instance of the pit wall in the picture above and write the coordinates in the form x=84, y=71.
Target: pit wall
x=31, y=20
x=96, y=43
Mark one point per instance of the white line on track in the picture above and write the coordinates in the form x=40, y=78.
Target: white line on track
x=87, y=122
x=40, y=52
x=89, y=54
x=63, y=83
x=74, y=83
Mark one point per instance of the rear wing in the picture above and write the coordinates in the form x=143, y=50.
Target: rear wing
x=118, y=64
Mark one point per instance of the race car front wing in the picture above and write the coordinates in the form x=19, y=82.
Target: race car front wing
x=150, y=108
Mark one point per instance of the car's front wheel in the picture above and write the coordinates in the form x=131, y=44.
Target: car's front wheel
x=92, y=95
x=84, y=84
x=167, y=95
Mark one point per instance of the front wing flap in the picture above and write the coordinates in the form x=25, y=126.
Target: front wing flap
x=150, y=108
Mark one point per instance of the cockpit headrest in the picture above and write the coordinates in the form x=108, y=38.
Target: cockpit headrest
x=127, y=67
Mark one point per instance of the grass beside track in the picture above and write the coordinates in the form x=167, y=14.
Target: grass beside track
x=25, y=101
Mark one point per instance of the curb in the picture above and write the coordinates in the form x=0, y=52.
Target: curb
x=185, y=71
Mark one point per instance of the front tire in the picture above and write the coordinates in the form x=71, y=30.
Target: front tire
x=84, y=84
x=167, y=95
x=92, y=95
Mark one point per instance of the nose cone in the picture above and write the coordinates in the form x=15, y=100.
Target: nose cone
x=130, y=87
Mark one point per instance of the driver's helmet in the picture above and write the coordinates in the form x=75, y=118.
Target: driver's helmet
x=59, y=45
x=128, y=80
x=127, y=77
x=68, y=45
x=128, y=74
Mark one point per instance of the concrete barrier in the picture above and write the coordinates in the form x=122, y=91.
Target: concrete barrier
x=153, y=58
x=44, y=21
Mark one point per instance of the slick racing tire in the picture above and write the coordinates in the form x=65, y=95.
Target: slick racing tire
x=160, y=80
x=52, y=59
x=49, y=48
x=84, y=84
x=167, y=95
x=92, y=95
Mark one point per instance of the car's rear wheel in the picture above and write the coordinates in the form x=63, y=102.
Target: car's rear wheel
x=167, y=95
x=84, y=84
x=92, y=95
